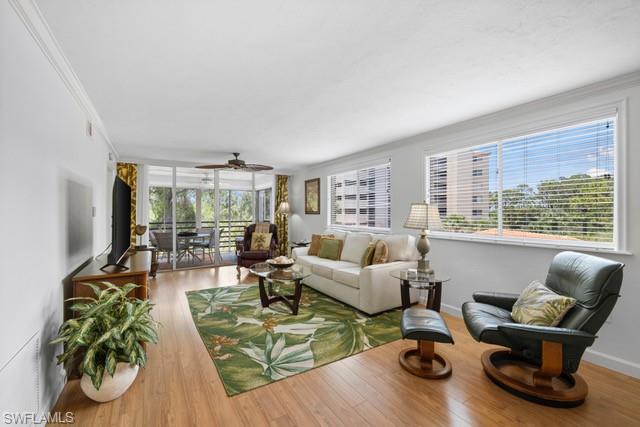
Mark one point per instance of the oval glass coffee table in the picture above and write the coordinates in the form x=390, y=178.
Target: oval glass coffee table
x=412, y=278
x=274, y=278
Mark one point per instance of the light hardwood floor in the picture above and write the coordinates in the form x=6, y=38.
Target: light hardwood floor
x=180, y=385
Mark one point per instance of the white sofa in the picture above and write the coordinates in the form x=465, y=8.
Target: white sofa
x=370, y=289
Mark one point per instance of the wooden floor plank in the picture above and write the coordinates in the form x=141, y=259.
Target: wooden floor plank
x=180, y=385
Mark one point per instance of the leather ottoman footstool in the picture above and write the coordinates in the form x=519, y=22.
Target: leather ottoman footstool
x=427, y=327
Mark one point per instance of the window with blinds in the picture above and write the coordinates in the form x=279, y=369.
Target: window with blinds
x=555, y=186
x=361, y=198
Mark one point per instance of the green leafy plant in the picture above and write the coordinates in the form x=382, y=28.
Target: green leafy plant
x=109, y=328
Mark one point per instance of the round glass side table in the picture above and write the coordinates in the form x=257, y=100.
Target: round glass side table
x=416, y=279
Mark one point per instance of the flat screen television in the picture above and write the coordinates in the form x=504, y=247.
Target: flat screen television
x=120, y=223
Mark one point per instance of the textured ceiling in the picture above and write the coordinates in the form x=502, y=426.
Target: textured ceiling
x=295, y=82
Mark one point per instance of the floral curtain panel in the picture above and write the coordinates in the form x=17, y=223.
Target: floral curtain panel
x=282, y=221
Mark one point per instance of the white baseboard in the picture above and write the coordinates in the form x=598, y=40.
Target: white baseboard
x=451, y=309
x=596, y=357
x=612, y=362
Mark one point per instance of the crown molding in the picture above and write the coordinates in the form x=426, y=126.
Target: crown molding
x=618, y=83
x=31, y=16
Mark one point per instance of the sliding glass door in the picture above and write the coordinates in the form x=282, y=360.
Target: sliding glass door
x=160, y=213
x=236, y=207
x=197, y=217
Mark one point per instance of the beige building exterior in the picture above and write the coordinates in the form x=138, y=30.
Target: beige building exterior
x=459, y=184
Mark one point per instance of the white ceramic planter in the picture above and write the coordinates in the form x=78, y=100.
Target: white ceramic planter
x=112, y=387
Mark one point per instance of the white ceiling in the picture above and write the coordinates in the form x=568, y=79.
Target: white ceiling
x=296, y=82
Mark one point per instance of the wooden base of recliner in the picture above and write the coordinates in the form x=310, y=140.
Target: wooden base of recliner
x=424, y=361
x=546, y=384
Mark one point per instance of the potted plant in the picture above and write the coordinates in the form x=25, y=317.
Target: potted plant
x=109, y=333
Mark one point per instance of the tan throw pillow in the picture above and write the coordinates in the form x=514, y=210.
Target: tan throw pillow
x=330, y=248
x=381, y=253
x=260, y=241
x=316, y=239
x=539, y=305
x=367, y=257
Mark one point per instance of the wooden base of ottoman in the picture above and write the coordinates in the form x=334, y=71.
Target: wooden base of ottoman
x=424, y=361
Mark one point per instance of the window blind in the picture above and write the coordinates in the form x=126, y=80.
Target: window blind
x=361, y=198
x=554, y=186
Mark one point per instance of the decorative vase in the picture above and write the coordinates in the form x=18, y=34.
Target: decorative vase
x=112, y=387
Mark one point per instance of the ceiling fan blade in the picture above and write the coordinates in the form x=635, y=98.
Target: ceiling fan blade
x=213, y=166
x=255, y=167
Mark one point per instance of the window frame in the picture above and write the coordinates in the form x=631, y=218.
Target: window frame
x=357, y=168
x=616, y=109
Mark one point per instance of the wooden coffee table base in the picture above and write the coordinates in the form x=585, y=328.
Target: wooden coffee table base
x=424, y=361
x=292, y=301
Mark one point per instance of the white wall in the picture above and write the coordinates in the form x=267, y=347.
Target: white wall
x=51, y=174
x=484, y=266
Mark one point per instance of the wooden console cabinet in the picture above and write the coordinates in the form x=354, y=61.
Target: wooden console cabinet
x=139, y=266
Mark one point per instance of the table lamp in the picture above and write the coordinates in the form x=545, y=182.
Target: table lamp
x=284, y=208
x=140, y=229
x=418, y=219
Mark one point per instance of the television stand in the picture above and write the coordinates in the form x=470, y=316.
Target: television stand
x=116, y=268
x=134, y=269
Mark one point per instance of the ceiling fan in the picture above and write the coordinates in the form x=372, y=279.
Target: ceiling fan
x=207, y=180
x=238, y=164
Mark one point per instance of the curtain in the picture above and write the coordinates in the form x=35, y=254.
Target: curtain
x=128, y=172
x=282, y=221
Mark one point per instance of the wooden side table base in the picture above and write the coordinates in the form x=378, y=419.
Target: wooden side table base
x=424, y=361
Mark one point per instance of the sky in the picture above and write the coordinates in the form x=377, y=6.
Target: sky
x=583, y=149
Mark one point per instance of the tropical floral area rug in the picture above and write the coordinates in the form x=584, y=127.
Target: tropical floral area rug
x=253, y=346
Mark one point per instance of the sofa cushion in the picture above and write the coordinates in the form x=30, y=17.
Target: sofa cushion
x=340, y=235
x=401, y=246
x=325, y=267
x=349, y=276
x=413, y=254
x=355, y=244
x=305, y=260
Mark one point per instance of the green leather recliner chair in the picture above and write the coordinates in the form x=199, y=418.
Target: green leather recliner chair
x=541, y=362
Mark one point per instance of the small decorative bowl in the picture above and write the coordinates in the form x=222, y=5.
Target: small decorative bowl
x=280, y=266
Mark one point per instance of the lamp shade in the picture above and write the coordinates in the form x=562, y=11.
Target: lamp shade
x=418, y=216
x=284, y=208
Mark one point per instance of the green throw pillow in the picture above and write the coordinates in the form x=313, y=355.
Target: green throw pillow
x=539, y=305
x=330, y=249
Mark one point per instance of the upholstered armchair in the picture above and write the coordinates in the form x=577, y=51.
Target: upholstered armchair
x=541, y=362
x=246, y=257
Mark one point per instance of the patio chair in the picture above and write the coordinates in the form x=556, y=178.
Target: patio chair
x=207, y=246
x=164, y=243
